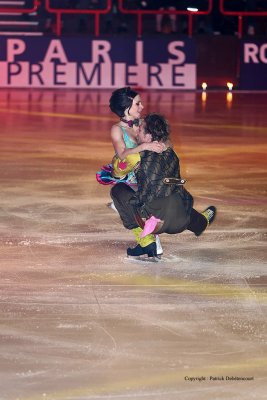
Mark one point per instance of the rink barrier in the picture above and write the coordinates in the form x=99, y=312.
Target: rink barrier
x=58, y=12
x=140, y=13
x=96, y=12
x=240, y=15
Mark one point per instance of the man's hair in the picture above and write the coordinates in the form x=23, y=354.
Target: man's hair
x=157, y=126
x=121, y=99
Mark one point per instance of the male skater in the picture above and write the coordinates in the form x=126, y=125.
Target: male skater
x=161, y=204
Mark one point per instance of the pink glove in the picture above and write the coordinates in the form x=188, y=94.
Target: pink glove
x=150, y=225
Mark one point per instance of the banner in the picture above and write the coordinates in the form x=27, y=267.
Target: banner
x=253, y=66
x=40, y=62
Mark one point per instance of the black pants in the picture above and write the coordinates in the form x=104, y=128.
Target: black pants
x=169, y=209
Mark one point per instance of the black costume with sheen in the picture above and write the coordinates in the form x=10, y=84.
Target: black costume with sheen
x=169, y=202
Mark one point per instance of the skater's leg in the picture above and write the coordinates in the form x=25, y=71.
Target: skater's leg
x=121, y=194
x=200, y=221
x=171, y=210
x=145, y=245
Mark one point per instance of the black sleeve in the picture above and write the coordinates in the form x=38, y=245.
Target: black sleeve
x=153, y=169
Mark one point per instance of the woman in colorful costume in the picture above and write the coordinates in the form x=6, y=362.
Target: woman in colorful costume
x=127, y=105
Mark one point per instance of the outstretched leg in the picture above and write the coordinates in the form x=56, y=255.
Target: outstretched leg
x=200, y=221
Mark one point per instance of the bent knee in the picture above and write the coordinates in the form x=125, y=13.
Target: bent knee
x=122, y=191
x=116, y=189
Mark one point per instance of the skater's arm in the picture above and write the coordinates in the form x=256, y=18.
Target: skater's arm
x=150, y=176
x=122, y=151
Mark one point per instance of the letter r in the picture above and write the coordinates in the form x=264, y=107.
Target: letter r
x=100, y=50
x=250, y=53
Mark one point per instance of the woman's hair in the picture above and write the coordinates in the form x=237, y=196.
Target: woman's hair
x=121, y=99
x=157, y=126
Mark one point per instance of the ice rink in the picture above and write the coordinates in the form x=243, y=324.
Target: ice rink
x=80, y=321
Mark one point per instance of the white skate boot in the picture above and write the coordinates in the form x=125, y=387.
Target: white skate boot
x=159, y=247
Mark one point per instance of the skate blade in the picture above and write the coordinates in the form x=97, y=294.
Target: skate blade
x=112, y=207
x=144, y=259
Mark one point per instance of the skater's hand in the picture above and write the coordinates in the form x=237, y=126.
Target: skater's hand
x=155, y=146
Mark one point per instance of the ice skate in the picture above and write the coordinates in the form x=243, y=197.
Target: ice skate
x=112, y=206
x=159, y=247
x=147, y=253
x=210, y=214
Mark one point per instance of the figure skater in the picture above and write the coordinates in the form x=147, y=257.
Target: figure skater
x=127, y=105
x=161, y=204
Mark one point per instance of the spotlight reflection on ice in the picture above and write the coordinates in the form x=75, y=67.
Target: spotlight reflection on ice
x=229, y=99
x=204, y=97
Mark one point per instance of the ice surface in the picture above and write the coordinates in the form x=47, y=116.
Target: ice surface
x=79, y=321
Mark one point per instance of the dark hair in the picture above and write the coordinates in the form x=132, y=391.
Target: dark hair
x=157, y=126
x=121, y=99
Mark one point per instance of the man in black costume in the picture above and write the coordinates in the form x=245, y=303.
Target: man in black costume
x=161, y=204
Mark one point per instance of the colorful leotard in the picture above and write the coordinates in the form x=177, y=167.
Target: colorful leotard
x=128, y=141
x=105, y=175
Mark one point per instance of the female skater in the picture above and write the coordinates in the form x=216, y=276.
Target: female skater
x=126, y=104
